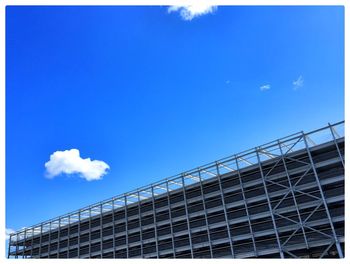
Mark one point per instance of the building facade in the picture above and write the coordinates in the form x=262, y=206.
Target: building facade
x=283, y=199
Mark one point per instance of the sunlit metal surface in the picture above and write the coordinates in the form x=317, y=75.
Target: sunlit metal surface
x=283, y=199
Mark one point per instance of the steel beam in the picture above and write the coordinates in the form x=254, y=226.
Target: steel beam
x=170, y=219
x=246, y=207
x=333, y=132
x=140, y=222
x=340, y=252
x=270, y=208
x=155, y=221
x=126, y=226
x=187, y=216
x=205, y=214
x=225, y=210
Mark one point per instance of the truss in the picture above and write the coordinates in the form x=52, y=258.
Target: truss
x=294, y=189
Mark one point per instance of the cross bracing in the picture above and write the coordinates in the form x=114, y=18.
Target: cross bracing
x=281, y=199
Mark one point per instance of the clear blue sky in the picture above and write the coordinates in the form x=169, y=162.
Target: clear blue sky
x=153, y=95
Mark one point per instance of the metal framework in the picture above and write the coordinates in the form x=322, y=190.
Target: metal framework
x=283, y=199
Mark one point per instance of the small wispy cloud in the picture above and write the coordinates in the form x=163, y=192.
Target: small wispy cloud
x=188, y=12
x=265, y=87
x=8, y=232
x=70, y=162
x=298, y=83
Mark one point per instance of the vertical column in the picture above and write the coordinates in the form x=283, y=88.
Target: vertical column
x=68, y=240
x=101, y=227
x=41, y=238
x=113, y=219
x=155, y=221
x=246, y=205
x=126, y=226
x=140, y=219
x=340, y=252
x=32, y=244
x=187, y=216
x=49, y=245
x=291, y=189
x=269, y=203
x=225, y=209
x=24, y=242
x=336, y=144
x=9, y=246
x=170, y=218
x=89, y=232
x=79, y=221
x=205, y=213
x=17, y=246
x=59, y=238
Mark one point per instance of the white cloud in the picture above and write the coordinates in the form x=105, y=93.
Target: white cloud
x=298, y=83
x=265, y=87
x=188, y=12
x=8, y=232
x=70, y=162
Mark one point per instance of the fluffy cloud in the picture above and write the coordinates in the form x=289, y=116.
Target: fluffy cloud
x=298, y=83
x=189, y=12
x=8, y=232
x=70, y=162
x=265, y=87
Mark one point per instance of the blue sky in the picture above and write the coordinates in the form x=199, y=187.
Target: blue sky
x=151, y=94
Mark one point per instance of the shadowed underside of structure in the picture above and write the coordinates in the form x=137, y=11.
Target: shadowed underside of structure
x=284, y=199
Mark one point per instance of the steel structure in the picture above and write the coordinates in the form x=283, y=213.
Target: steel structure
x=283, y=199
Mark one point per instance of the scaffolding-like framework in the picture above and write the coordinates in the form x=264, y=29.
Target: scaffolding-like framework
x=278, y=153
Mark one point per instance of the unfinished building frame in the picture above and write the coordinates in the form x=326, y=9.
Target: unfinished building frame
x=283, y=199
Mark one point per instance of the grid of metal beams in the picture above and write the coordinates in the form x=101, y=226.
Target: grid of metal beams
x=282, y=199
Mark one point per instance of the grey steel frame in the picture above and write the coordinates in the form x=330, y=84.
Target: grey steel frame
x=233, y=163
